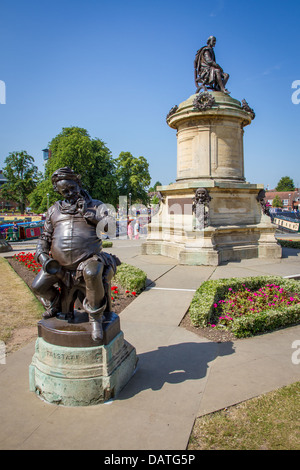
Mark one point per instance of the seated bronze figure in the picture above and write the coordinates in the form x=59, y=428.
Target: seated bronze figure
x=209, y=74
x=70, y=252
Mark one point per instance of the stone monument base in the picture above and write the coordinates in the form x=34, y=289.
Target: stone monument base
x=233, y=228
x=69, y=368
x=4, y=246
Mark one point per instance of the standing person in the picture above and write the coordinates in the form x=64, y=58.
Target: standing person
x=130, y=229
x=137, y=229
x=15, y=231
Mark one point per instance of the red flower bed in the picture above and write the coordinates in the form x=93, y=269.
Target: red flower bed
x=28, y=260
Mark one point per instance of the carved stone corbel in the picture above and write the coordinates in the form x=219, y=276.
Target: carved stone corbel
x=200, y=208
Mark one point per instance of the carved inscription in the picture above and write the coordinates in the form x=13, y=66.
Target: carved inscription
x=62, y=356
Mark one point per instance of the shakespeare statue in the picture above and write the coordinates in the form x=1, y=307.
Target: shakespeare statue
x=207, y=73
x=70, y=252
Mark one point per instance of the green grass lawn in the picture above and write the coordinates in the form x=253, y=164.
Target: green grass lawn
x=268, y=422
x=18, y=306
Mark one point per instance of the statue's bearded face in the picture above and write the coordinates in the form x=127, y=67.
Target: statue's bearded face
x=69, y=189
x=211, y=41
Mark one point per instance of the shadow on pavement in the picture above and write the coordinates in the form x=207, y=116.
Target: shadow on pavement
x=173, y=364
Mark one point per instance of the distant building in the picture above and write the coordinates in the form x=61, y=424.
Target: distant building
x=290, y=199
x=46, y=154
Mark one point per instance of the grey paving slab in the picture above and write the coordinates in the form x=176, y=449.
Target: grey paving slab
x=259, y=365
x=185, y=277
x=159, y=307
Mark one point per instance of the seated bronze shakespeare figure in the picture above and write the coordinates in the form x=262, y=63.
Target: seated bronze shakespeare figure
x=70, y=252
x=207, y=73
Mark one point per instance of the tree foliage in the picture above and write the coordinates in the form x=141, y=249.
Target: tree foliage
x=285, y=184
x=277, y=202
x=133, y=177
x=104, y=177
x=88, y=157
x=153, y=188
x=22, y=177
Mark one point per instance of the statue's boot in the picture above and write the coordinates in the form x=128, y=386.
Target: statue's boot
x=96, y=319
x=53, y=307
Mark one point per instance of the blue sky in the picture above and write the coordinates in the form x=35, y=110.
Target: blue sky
x=117, y=67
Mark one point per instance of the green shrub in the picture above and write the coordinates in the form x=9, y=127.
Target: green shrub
x=289, y=243
x=268, y=320
x=203, y=313
x=107, y=244
x=131, y=278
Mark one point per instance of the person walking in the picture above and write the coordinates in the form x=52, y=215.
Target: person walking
x=15, y=231
x=137, y=229
x=130, y=229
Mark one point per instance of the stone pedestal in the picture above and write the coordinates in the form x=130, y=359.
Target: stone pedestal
x=210, y=156
x=69, y=368
x=4, y=246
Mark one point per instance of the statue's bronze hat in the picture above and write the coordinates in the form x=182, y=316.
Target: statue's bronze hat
x=64, y=173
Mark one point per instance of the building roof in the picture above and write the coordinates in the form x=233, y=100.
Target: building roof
x=282, y=194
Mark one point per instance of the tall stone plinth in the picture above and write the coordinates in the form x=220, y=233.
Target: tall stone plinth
x=69, y=368
x=210, y=155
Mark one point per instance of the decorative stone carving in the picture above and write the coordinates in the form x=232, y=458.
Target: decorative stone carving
x=172, y=111
x=261, y=199
x=203, y=101
x=247, y=108
x=200, y=208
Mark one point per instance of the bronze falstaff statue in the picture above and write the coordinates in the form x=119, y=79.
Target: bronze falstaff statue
x=70, y=252
x=207, y=73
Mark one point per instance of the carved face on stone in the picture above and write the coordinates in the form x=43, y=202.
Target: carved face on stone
x=200, y=194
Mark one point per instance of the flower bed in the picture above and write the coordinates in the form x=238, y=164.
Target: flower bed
x=27, y=259
x=246, y=306
x=131, y=280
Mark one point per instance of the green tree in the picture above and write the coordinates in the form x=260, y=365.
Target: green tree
x=155, y=199
x=133, y=177
x=22, y=177
x=88, y=157
x=153, y=188
x=277, y=202
x=285, y=184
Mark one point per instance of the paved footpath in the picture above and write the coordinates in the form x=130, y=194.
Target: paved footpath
x=180, y=375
